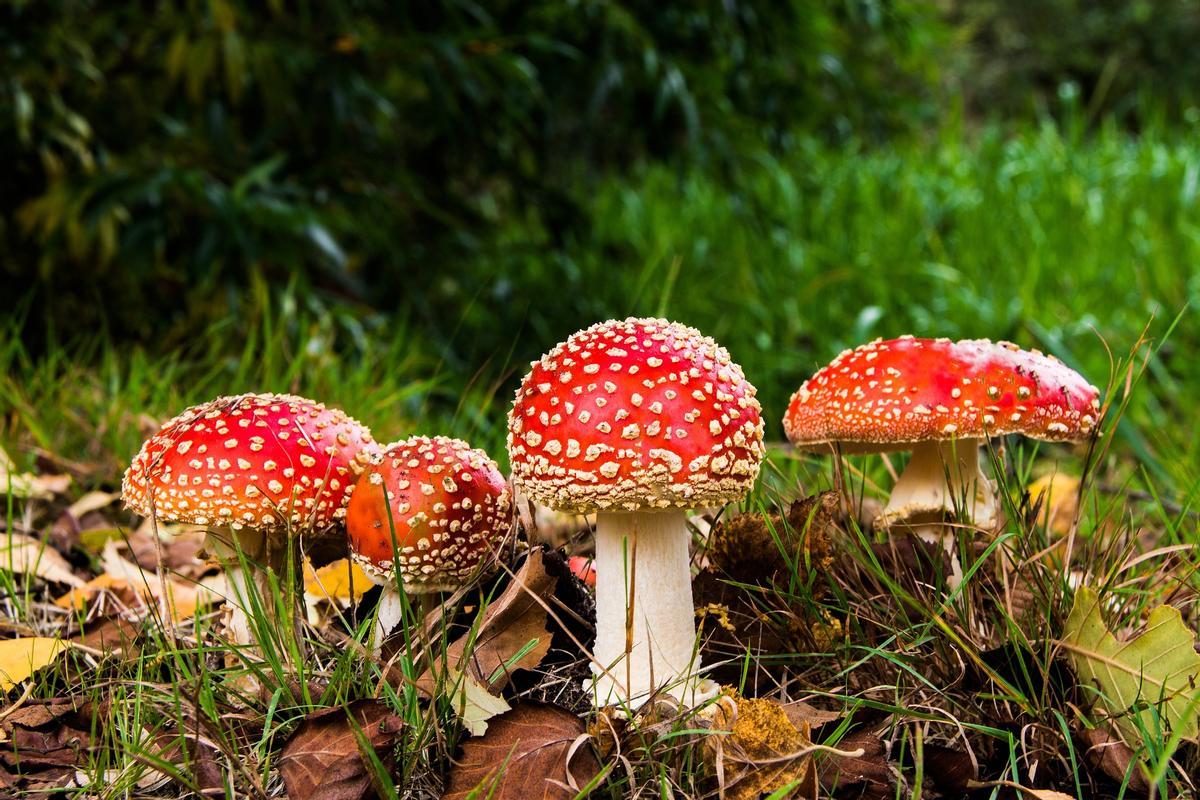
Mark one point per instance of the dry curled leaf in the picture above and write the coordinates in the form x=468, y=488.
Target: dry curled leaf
x=533, y=752
x=323, y=759
x=29, y=556
x=512, y=634
x=46, y=741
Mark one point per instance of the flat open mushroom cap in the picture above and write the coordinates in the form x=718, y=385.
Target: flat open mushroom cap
x=250, y=461
x=889, y=394
x=449, y=506
x=634, y=414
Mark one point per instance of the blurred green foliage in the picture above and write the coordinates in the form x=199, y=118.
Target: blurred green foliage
x=160, y=152
x=1130, y=61
x=494, y=176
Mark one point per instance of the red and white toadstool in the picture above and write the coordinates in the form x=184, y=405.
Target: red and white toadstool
x=638, y=420
x=449, y=508
x=940, y=399
x=255, y=469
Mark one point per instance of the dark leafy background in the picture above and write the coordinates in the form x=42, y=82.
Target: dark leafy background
x=482, y=179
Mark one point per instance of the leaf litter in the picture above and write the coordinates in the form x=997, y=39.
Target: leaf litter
x=499, y=667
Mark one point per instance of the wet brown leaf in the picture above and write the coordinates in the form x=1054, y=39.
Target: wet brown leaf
x=322, y=760
x=950, y=770
x=524, y=756
x=868, y=774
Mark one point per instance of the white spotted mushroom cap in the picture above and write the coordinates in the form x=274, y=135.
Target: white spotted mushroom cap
x=250, y=461
x=448, y=504
x=635, y=414
x=889, y=394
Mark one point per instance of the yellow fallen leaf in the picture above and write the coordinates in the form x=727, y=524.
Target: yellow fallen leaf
x=340, y=580
x=1059, y=495
x=29, y=556
x=20, y=658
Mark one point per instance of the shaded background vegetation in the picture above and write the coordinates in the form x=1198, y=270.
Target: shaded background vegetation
x=461, y=185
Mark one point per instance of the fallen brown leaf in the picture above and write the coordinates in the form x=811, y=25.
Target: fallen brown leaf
x=534, y=751
x=1114, y=759
x=869, y=773
x=46, y=741
x=510, y=623
x=323, y=761
x=30, y=556
x=108, y=634
x=949, y=769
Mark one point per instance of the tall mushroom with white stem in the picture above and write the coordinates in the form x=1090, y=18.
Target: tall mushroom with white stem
x=435, y=511
x=942, y=400
x=255, y=469
x=638, y=420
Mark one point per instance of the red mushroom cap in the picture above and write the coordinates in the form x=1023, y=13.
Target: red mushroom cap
x=250, y=461
x=632, y=414
x=887, y=394
x=450, y=508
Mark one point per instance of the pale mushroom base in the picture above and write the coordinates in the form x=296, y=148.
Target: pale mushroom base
x=645, y=620
x=941, y=477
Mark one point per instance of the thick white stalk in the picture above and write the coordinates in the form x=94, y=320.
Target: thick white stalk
x=941, y=477
x=642, y=559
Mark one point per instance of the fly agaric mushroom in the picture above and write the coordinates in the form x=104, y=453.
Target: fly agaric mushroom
x=255, y=469
x=449, y=508
x=638, y=420
x=940, y=399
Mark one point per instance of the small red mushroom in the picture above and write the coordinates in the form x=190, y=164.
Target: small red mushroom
x=255, y=469
x=433, y=512
x=940, y=399
x=583, y=568
x=638, y=420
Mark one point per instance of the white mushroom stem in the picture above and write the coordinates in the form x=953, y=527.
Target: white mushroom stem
x=942, y=476
x=249, y=587
x=645, y=621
